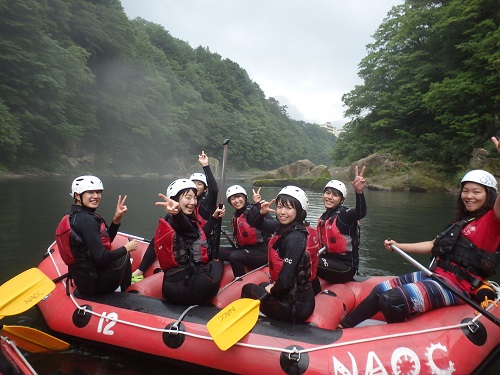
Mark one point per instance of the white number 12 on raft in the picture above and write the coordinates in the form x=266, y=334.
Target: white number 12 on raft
x=111, y=319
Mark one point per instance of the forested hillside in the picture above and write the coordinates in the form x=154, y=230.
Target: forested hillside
x=83, y=86
x=431, y=84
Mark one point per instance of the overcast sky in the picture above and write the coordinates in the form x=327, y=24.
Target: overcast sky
x=305, y=53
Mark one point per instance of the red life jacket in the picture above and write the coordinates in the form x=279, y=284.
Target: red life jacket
x=244, y=233
x=64, y=232
x=173, y=252
x=308, y=264
x=331, y=238
x=198, y=216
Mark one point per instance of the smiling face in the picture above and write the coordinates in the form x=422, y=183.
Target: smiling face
x=237, y=201
x=332, y=198
x=473, y=196
x=89, y=198
x=200, y=187
x=187, y=201
x=285, y=212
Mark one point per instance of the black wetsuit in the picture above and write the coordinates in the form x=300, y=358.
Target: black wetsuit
x=286, y=301
x=341, y=267
x=251, y=256
x=112, y=267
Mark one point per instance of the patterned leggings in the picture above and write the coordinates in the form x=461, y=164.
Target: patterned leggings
x=403, y=298
x=420, y=293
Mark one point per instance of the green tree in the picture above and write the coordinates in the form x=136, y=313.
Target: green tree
x=431, y=83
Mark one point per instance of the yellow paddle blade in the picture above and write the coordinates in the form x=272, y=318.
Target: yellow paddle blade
x=33, y=340
x=233, y=322
x=24, y=291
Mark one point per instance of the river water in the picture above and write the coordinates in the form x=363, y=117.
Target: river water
x=32, y=207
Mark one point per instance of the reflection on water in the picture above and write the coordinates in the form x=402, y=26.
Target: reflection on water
x=32, y=208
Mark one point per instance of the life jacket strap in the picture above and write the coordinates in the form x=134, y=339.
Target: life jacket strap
x=459, y=272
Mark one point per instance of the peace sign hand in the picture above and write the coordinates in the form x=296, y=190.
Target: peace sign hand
x=203, y=159
x=265, y=207
x=171, y=206
x=256, y=197
x=359, y=182
x=121, y=209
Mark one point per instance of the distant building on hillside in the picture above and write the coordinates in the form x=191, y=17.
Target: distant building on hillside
x=331, y=128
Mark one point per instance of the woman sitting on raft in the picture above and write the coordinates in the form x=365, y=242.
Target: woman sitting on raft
x=293, y=258
x=181, y=246
x=465, y=254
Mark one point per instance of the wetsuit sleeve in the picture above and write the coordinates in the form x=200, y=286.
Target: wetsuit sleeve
x=350, y=215
x=113, y=230
x=266, y=223
x=89, y=229
x=293, y=247
x=213, y=190
x=209, y=225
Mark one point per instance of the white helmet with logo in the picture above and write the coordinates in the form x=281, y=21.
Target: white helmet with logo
x=296, y=193
x=178, y=185
x=85, y=183
x=337, y=185
x=235, y=189
x=199, y=177
x=481, y=177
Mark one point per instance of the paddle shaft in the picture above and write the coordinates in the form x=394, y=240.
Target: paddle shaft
x=221, y=195
x=441, y=282
x=132, y=237
x=233, y=245
x=223, y=171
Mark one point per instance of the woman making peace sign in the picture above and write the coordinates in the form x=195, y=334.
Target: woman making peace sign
x=338, y=231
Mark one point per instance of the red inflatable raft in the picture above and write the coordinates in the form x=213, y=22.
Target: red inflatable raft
x=452, y=340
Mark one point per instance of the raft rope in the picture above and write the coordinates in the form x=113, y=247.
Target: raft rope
x=472, y=326
x=238, y=278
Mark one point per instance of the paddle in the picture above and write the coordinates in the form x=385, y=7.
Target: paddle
x=24, y=291
x=233, y=245
x=221, y=194
x=132, y=237
x=233, y=322
x=33, y=340
x=18, y=295
x=441, y=282
x=236, y=320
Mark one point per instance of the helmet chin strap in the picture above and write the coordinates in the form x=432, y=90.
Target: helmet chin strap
x=79, y=200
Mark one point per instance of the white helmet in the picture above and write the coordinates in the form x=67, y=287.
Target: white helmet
x=178, y=185
x=296, y=193
x=235, y=189
x=199, y=177
x=85, y=183
x=337, y=185
x=481, y=177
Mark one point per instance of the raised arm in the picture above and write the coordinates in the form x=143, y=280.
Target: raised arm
x=213, y=188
